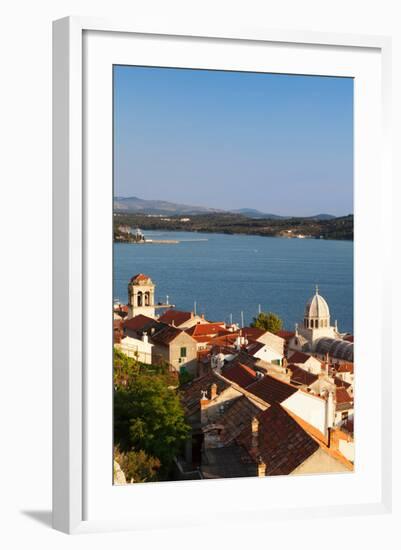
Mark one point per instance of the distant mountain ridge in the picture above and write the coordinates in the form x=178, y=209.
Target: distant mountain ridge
x=158, y=207
x=143, y=206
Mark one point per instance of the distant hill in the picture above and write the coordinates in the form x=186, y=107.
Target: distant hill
x=257, y=214
x=322, y=217
x=253, y=213
x=135, y=205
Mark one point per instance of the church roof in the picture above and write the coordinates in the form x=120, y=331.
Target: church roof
x=317, y=307
x=141, y=278
x=339, y=349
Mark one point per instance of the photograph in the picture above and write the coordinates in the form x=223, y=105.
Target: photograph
x=233, y=274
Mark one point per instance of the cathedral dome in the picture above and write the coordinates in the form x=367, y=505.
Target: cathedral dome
x=317, y=307
x=317, y=313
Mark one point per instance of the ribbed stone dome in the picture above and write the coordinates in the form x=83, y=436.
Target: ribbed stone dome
x=317, y=307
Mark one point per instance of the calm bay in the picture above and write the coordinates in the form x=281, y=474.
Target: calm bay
x=227, y=274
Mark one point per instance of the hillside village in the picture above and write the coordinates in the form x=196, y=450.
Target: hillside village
x=255, y=403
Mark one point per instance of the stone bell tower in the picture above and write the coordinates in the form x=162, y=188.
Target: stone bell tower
x=141, y=296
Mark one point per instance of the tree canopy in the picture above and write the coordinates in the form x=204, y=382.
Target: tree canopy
x=137, y=466
x=268, y=321
x=148, y=416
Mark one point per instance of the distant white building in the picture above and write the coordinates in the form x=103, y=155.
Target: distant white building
x=264, y=352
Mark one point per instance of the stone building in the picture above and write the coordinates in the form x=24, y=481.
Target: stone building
x=141, y=296
x=175, y=347
x=316, y=335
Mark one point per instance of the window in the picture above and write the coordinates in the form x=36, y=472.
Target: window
x=183, y=352
x=344, y=416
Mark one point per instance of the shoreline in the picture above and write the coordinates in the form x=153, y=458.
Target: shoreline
x=205, y=232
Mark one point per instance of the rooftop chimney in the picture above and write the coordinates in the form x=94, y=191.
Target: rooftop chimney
x=255, y=432
x=203, y=400
x=261, y=467
x=213, y=391
x=145, y=338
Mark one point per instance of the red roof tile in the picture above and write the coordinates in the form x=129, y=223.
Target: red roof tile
x=281, y=442
x=342, y=396
x=236, y=417
x=252, y=332
x=271, y=390
x=190, y=393
x=138, y=322
x=346, y=367
x=299, y=357
x=254, y=347
x=176, y=317
x=140, y=278
x=207, y=330
x=301, y=376
x=286, y=334
x=240, y=374
x=166, y=334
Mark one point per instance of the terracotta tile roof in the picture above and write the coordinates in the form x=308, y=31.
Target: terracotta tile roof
x=342, y=396
x=206, y=331
x=190, y=393
x=239, y=374
x=301, y=376
x=251, y=332
x=140, y=278
x=166, y=334
x=121, y=310
x=175, y=316
x=341, y=383
x=236, y=418
x=322, y=440
x=299, y=357
x=138, y=322
x=271, y=390
x=254, y=347
x=282, y=444
x=346, y=367
x=243, y=358
x=225, y=340
x=286, y=334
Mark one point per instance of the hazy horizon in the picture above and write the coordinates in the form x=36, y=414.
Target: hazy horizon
x=279, y=144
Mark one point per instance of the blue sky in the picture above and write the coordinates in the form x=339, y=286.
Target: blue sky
x=279, y=143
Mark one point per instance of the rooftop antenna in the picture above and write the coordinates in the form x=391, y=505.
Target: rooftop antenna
x=242, y=319
x=231, y=318
x=167, y=300
x=195, y=307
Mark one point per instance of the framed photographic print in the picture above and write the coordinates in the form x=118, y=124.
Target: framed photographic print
x=219, y=275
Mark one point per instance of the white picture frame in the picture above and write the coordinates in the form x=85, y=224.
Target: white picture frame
x=70, y=260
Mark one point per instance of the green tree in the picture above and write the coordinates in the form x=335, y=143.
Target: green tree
x=268, y=321
x=148, y=416
x=185, y=376
x=137, y=466
x=125, y=369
